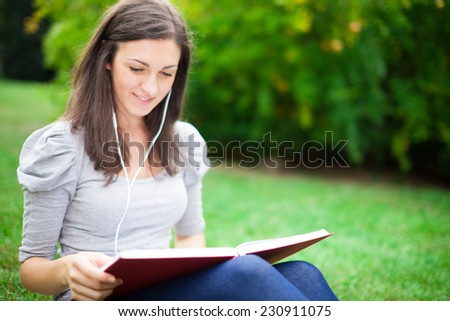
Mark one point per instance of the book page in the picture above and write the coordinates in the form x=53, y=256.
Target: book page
x=179, y=252
x=174, y=253
x=280, y=243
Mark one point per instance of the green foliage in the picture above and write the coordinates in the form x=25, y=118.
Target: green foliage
x=376, y=73
x=20, y=51
x=72, y=24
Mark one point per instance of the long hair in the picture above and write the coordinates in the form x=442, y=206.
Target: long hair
x=91, y=102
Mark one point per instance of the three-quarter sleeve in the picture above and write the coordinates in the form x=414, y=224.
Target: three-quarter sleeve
x=194, y=164
x=48, y=175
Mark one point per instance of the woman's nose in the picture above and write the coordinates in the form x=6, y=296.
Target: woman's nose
x=150, y=85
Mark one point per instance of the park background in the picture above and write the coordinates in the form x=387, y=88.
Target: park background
x=374, y=73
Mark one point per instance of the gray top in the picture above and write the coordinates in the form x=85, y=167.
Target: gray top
x=67, y=203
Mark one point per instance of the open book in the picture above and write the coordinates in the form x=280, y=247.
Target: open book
x=142, y=268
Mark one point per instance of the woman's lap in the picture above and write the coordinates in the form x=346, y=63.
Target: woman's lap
x=248, y=278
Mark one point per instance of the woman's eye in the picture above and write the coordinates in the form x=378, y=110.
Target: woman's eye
x=166, y=74
x=133, y=69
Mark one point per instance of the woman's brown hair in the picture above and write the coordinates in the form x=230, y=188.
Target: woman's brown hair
x=91, y=102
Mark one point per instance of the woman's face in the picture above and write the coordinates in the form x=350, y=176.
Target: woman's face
x=143, y=72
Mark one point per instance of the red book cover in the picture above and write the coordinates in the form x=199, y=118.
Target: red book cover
x=143, y=268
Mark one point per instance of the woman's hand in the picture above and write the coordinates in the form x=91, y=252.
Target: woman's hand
x=79, y=272
x=85, y=278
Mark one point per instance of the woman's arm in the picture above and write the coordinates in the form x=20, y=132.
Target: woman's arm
x=80, y=273
x=195, y=240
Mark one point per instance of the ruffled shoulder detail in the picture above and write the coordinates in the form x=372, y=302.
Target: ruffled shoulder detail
x=48, y=159
x=193, y=152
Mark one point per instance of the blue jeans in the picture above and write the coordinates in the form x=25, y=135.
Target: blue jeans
x=246, y=278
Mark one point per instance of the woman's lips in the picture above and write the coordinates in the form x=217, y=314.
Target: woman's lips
x=143, y=99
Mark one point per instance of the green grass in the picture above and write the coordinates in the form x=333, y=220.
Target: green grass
x=23, y=108
x=391, y=241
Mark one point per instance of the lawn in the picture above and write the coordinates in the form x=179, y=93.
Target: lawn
x=391, y=241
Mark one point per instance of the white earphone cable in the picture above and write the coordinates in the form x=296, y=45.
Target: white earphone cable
x=122, y=162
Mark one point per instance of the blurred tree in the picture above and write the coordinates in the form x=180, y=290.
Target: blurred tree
x=72, y=24
x=375, y=73
x=20, y=51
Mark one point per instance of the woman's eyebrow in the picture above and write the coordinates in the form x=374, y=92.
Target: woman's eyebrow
x=139, y=61
x=147, y=65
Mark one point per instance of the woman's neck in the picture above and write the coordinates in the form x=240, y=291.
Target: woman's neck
x=135, y=128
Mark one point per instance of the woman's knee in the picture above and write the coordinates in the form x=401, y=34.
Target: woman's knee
x=257, y=279
x=249, y=266
x=308, y=279
x=298, y=267
x=254, y=265
x=248, y=261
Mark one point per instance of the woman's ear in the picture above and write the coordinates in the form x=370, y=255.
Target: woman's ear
x=108, y=66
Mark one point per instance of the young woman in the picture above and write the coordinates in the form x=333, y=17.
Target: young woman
x=119, y=171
